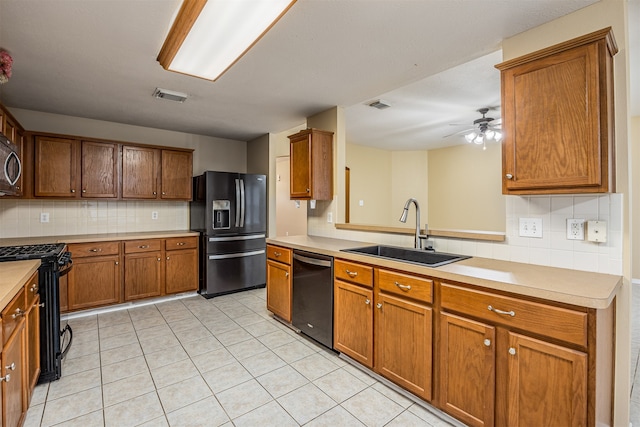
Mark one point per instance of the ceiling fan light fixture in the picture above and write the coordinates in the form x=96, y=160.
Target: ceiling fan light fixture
x=209, y=36
x=470, y=136
x=479, y=139
x=497, y=136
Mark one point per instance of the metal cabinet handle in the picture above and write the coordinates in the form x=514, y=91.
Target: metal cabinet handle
x=154, y=193
x=95, y=250
x=379, y=305
x=158, y=258
x=163, y=193
x=18, y=313
x=181, y=243
x=286, y=274
x=34, y=288
x=495, y=310
x=144, y=246
x=277, y=254
x=168, y=258
x=84, y=191
x=308, y=190
x=11, y=367
x=41, y=305
x=509, y=176
x=351, y=273
x=6, y=378
x=367, y=301
x=512, y=351
x=73, y=191
x=403, y=287
x=117, y=263
x=487, y=342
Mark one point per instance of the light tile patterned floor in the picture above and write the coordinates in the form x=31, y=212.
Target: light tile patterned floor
x=198, y=362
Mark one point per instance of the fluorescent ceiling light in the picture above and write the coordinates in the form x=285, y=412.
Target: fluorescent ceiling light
x=208, y=37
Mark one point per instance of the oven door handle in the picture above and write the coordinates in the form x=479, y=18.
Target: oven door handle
x=66, y=268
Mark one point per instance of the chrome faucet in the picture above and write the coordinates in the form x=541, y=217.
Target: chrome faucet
x=403, y=218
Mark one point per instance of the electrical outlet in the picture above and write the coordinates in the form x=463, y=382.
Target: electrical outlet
x=44, y=217
x=330, y=217
x=530, y=227
x=154, y=215
x=361, y=203
x=575, y=229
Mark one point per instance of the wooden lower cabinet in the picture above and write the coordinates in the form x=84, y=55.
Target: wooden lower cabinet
x=12, y=373
x=353, y=321
x=403, y=343
x=32, y=336
x=142, y=275
x=547, y=384
x=181, y=271
x=467, y=370
x=93, y=282
x=279, y=289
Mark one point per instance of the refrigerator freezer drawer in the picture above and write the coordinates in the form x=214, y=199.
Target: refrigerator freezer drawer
x=233, y=272
x=235, y=244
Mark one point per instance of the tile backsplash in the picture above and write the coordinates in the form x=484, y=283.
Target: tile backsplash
x=553, y=249
x=21, y=218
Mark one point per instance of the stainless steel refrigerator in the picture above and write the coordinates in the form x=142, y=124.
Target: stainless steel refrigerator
x=230, y=212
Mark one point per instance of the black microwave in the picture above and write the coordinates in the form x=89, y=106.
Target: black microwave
x=11, y=167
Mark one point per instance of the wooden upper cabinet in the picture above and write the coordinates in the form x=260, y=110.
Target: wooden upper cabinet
x=56, y=167
x=177, y=170
x=140, y=172
x=311, y=153
x=558, y=120
x=99, y=170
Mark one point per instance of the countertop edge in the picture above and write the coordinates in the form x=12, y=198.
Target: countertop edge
x=517, y=278
x=14, y=275
x=101, y=237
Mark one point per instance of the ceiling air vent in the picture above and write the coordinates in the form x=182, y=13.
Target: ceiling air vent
x=379, y=104
x=171, y=95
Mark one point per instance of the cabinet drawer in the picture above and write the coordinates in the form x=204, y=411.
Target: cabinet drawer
x=556, y=322
x=31, y=289
x=279, y=254
x=354, y=273
x=181, y=243
x=80, y=250
x=415, y=287
x=134, y=246
x=12, y=314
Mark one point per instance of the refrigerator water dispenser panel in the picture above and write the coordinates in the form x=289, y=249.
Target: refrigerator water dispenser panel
x=221, y=212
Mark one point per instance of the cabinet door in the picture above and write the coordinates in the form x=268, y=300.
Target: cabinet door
x=279, y=289
x=12, y=372
x=353, y=322
x=140, y=172
x=547, y=384
x=300, y=152
x=467, y=369
x=93, y=282
x=177, y=171
x=142, y=275
x=33, y=349
x=403, y=343
x=181, y=271
x=99, y=171
x=552, y=123
x=55, y=167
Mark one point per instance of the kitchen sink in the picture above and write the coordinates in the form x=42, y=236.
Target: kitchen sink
x=428, y=258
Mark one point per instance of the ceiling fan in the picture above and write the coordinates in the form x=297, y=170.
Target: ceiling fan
x=484, y=129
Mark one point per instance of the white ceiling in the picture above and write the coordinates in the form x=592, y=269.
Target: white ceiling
x=97, y=59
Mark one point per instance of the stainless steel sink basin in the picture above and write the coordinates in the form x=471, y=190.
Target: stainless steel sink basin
x=430, y=259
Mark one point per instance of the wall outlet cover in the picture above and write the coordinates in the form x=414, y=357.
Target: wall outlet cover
x=530, y=227
x=575, y=229
x=154, y=215
x=44, y=217
x=597, y=231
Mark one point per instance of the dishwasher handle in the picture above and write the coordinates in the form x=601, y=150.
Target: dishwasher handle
x=313, y=261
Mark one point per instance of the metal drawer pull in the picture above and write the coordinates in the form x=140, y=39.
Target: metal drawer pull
x=144, y=246
x=286, y=274
x=41, y=305
x=367, y=301
x=34, y=287
x=6, y=378
x=379, y=305
x=512, y=351
x=18, y=313
x=181, y=243
x=168, y=258
x=487, y=342
x=11, y=367
x=403, y=287
x=95, y=250
x=351, y=273
x=277, y=254
x=495, y=310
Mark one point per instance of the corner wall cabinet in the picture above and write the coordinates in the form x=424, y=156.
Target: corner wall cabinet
x=279, y=281
x=311, y=152
x=558, y=118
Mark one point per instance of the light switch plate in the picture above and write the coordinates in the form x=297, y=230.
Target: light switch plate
x=44, y=217
x=597, y=231
x=575, y=229
x=530, y=227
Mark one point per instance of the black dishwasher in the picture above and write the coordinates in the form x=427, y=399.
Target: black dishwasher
x=312, y=310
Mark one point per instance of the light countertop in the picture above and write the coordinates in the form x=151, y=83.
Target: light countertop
x=104, y=237
x=13, y=276
x=581, y=288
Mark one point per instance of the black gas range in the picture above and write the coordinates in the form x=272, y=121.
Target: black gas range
x=55, y=340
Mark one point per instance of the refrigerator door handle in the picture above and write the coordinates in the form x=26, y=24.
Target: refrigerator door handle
x=237, y=255
x=233, y=238
x=242, y=203
x=237, y=206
